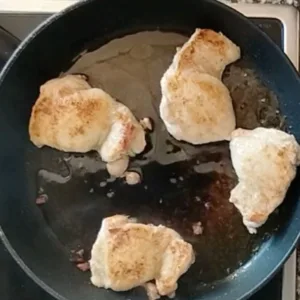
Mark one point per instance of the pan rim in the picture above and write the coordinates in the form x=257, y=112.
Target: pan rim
x=39, y=29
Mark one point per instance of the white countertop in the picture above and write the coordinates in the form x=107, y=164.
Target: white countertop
x=15, y=6
x=35, y=5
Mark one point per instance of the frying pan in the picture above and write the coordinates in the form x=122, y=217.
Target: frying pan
x=180, y=185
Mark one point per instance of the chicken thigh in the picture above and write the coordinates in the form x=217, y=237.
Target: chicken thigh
x=127, y=254
x=196, y=106
x=265, y=161
x=71, y=116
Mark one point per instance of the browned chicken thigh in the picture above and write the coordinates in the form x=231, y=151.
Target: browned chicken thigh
x=71, y=116
x=196, y=106
x=127, y=254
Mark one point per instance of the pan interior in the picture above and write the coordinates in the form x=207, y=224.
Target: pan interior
x=181, y=184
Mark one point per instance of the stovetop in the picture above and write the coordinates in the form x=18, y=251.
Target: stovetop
x=279, y=22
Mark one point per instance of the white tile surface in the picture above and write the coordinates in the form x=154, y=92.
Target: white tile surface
x=35, y=6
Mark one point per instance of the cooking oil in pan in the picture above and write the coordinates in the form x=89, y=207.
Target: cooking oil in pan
x=183, y=186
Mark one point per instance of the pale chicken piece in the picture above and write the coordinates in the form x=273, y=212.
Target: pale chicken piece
x=127, y=254
x=265, y=161
x=132, y=178
x=196, y=106
x=196, y=109
x=71, y=116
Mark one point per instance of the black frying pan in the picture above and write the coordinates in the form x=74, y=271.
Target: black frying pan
x=181, y=184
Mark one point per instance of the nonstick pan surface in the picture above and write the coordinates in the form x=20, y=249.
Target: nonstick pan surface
x=124, y=48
